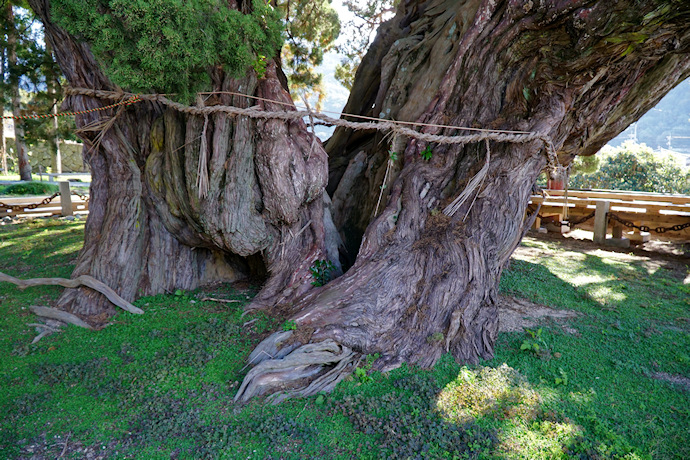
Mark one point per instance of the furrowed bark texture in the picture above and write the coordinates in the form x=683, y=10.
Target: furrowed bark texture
x=418, y=282
x=149, y=231
x=423, y=283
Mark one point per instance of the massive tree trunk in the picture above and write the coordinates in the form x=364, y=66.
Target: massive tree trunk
x=152, y=229
x=423, y=281
x=421, y=278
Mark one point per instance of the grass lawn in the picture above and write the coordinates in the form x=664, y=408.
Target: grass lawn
x=160, y=385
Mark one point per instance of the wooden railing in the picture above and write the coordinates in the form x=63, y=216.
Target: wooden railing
x=66, y=203
x=53, y=176
x=656, y=213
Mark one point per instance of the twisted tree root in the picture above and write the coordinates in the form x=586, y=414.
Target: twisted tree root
x=83, y=280
x=324, y=364
x=59, y=315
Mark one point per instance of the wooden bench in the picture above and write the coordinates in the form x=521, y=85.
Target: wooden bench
x=644, y=213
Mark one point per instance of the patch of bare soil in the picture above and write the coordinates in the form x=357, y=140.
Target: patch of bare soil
x=45, y=447
x=672, y=256
x=678, y=380
x=518, y=314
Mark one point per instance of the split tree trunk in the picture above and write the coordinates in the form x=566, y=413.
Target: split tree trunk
x=419, y=282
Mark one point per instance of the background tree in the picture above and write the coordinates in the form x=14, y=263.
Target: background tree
x=573, y=73
x=360, y=32
x=15, y=27
x=44, y=95
x=32, y=84
x=634, y=167
x=311, y=28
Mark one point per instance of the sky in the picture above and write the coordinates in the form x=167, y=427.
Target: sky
x=336, y=94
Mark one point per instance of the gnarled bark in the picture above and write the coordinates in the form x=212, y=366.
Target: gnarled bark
x=151, y=229
x=419, y=282
x=424, y=283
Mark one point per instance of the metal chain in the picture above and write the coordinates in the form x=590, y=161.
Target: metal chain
x=83, y=197
x=20, y=207
x=646, y=228
x=573, y=223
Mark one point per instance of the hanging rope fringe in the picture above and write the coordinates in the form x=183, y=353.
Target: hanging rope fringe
x=388, y=169
x=473, y=185
x=397, y=127
x=202, y=172
x=314, y=140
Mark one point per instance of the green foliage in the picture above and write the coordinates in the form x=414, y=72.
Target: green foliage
x=26, y=73
x=400, y=420
x=259, y=66
x=427, y=153
x=169, y=46
x=562, y=378
x=321, y=272
x=368, y=16
x=635, y=167
x=534, y=342
x=362, y=373
x=311, y=27
x=35, y=74
x=29, y=188
x=160, y=385
x=585, y=165
x=289, y=325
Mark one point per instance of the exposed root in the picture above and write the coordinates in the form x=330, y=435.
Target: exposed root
x=83, y=280
x=303, y=371
x=45, y=329
x=54, y=313
x=213, y=299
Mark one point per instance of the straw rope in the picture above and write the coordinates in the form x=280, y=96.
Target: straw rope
x=403, y=128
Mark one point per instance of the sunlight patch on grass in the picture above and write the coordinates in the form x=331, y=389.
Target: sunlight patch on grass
x=538, y=440
x=503, y=395
x=606, y=295
x=500, y=391
x=584, y=279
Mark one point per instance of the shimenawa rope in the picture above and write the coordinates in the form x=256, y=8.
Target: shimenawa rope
x=397, y=127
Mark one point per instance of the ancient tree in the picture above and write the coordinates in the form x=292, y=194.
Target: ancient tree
x=180, y=198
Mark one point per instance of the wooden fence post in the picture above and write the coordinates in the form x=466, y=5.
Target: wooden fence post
x=601, y=221
x=66, y=199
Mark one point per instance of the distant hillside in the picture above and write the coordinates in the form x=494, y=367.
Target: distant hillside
x=670, y=117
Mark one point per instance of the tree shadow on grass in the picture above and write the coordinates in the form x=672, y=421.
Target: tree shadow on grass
x=165, y=381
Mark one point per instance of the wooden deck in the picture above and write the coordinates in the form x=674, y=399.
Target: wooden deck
x=658, y=212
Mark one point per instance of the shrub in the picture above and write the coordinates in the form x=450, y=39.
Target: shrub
x=633, y=167
x=30, y=188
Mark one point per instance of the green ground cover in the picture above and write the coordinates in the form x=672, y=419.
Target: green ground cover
x=29, y=188
x=160, y=385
